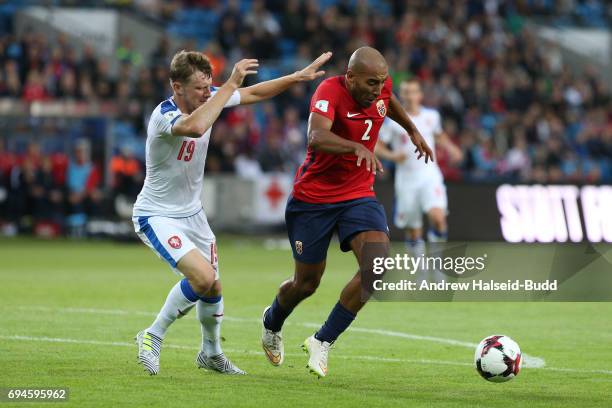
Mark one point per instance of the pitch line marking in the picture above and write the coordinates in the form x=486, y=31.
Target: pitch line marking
x=237, y=351
x=528, y=360
x=252, y=352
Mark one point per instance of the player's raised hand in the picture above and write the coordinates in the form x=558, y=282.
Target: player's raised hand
x=365, y=156
x=241, y=69
x=312, y=71
x=421, y=146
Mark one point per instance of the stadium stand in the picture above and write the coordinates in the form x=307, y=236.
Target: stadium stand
x=507, y=99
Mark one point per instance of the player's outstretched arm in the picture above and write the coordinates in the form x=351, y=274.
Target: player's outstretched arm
x=268, y=89
x=321, y=138
x=201, y=119
x=398, y=114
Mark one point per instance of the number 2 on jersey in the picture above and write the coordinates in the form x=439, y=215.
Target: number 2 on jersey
x=186, y=152
x=366, y=135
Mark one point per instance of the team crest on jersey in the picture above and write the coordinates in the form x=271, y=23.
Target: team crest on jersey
x=175, y=242
x=382, y=109
x=299, y=247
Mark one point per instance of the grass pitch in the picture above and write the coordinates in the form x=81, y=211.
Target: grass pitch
x=69, y=311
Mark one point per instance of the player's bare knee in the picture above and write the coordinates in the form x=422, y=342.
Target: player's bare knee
x=308, y=287
x=307, y=278
x=215, y=289
x=201, y=287
x=437, y=219
x=369, y=249
x=202, y=282
x=307, y=291
x=371, y=267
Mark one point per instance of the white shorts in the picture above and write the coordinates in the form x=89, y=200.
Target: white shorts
x=172, y=238
x=414, y=200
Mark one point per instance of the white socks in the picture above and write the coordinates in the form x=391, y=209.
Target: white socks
x=180, y=300
x=210, y=315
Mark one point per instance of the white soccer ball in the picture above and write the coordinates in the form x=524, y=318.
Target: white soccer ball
x=498, y=358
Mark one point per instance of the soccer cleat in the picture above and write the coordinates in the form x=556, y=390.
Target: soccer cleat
x=317, y=351
x=149, y=347
x=218, y=363
x=272, y=343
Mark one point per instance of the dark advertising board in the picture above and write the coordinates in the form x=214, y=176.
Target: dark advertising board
x=522, y=213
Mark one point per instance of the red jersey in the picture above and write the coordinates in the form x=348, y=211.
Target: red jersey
x=331, y=178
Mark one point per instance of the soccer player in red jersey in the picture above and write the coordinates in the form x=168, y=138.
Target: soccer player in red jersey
x=333, y=191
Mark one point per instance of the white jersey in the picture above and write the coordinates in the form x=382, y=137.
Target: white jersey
x=429, y=125
x=174, y=165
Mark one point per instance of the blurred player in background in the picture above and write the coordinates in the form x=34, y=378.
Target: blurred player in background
x=168, y=214
x=334, y=191
x=419, y=186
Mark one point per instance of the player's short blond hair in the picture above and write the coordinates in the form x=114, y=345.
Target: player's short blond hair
x=185, y=63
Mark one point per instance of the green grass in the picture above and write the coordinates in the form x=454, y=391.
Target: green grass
x=61, y=289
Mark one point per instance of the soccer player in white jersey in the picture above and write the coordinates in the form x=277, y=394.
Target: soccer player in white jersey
x=419, y=186
x=168, y=215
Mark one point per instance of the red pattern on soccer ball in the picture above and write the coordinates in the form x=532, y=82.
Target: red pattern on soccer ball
x=517, y=364
x=492, y=341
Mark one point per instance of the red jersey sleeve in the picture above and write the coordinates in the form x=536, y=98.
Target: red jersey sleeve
x=325, y=99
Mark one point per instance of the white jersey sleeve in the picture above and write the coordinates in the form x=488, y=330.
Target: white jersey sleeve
x=233, y=100
x=164, y=118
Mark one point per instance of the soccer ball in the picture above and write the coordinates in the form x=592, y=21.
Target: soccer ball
x=498, y=358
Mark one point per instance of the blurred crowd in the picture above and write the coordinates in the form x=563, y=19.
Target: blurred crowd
x=53, y=193
x=505, y=96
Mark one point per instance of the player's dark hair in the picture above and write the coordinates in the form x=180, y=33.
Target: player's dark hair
x=185, y=63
